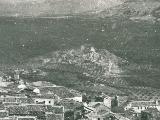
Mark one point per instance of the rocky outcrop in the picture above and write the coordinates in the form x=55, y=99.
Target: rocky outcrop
x=101, y=65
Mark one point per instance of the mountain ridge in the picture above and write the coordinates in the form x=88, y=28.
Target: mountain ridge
x=43, y=7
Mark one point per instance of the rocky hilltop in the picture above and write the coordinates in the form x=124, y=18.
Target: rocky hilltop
x=99, y=65
x=128, y=29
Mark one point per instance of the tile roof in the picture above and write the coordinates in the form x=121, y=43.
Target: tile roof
x=7, y=118
x=99, y=110
x=151, y=110
x=6, y=104
x=17, y=110
x=70, y=104
x=26, y=118
x=26, y=109
x=3, y=113
x=55, y=109
x=119, y=117
x=16, y=99
x=44, y=96
x=54, y=117
x=94, y=104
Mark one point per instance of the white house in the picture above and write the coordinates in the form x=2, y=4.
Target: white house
x=36, y=90
x=45, y=99
x=22, y=86
x=76, y=98
x=107, y=101
x=25, y=117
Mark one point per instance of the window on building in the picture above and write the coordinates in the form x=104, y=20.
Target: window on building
x=49, y=102
x=99, y=119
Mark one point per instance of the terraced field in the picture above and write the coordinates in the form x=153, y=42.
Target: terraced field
x=142, y=93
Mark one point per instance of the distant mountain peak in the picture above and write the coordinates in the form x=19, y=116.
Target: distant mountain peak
x=52, y=7
x=142, y=10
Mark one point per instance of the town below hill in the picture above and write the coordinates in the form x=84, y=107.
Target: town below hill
x=86, y=69
x=21, y=98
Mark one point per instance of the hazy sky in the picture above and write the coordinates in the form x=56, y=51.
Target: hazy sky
x=50, y=7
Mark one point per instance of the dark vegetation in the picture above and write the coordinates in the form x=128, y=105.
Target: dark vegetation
x=137, y=42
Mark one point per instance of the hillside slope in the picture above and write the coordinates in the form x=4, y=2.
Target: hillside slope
x=99, y=65
x=129, y=30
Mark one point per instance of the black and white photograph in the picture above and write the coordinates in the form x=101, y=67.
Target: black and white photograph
x=79, y=59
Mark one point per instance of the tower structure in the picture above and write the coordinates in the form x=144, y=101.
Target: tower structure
x=16, y=76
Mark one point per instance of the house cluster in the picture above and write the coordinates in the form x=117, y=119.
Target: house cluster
x=22, y=100
x=120, y=108
x=99, y=107
x=36, y=101
x=139, y=106
x=23, y=107
x=143, y=110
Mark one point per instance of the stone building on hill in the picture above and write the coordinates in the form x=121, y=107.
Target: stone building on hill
x=44, y=99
